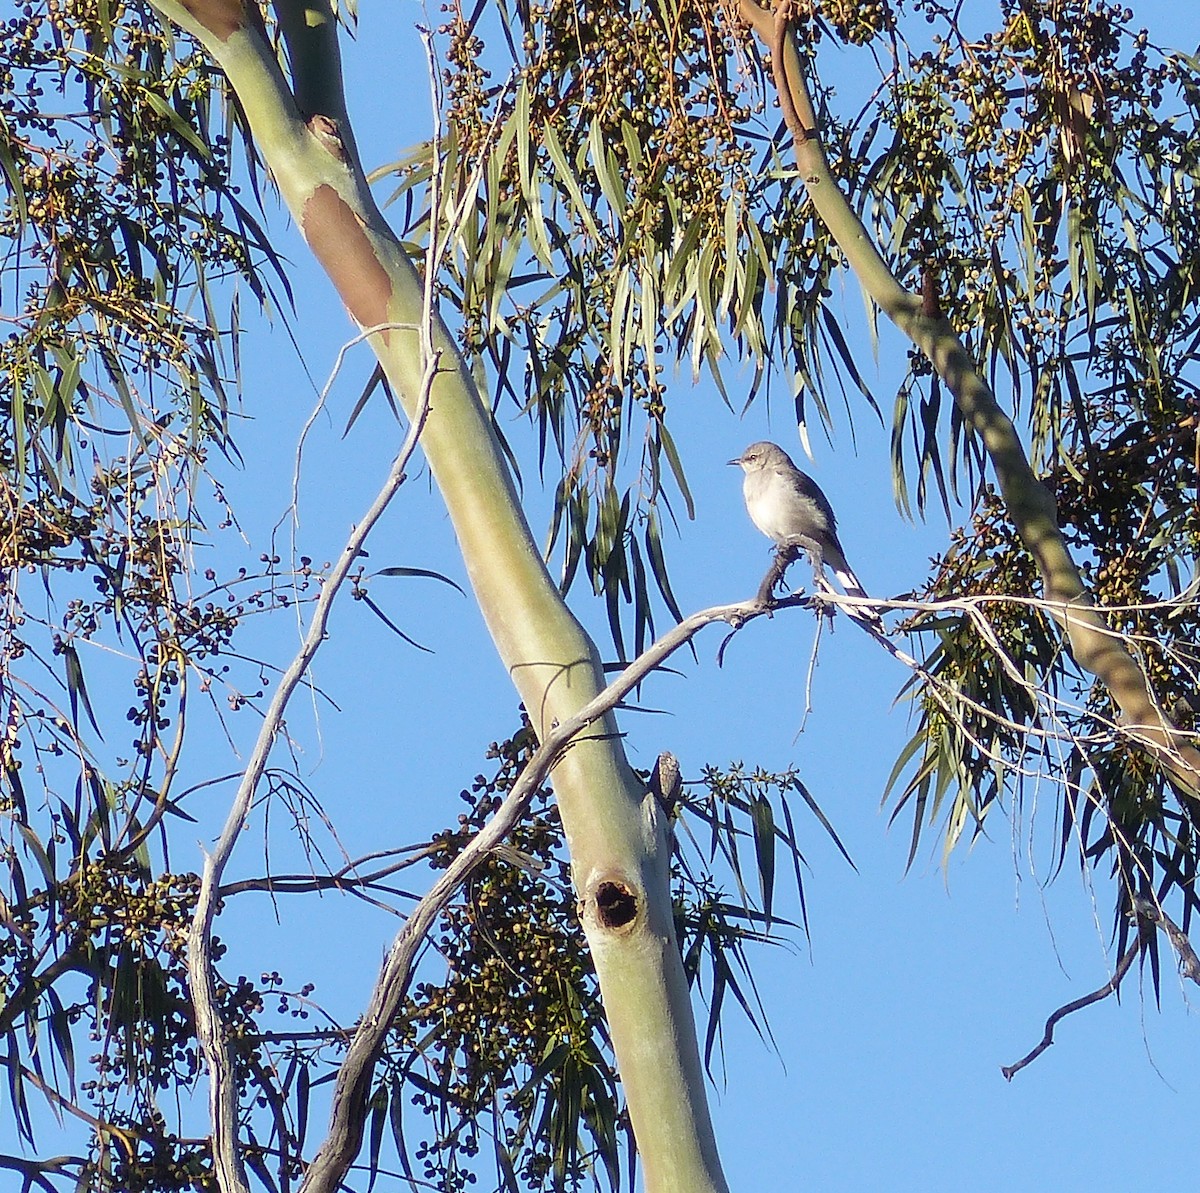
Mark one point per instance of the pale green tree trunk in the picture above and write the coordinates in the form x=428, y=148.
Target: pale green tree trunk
x=619, y=847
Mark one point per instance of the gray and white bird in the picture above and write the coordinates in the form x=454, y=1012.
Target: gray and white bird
x=787, y=505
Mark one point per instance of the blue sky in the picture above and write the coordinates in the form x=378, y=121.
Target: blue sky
x=892, y=1024
x=893, y=1021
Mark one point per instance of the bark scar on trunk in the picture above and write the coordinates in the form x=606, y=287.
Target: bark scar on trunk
x=222, y=18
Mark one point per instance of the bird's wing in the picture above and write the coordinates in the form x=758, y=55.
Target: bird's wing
x=808, y=488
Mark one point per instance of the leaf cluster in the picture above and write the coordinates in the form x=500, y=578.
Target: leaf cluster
x=1041, y=212
x=624, y=214
x=125, y=248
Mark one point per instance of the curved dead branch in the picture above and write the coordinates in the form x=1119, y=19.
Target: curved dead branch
x=1109, y=987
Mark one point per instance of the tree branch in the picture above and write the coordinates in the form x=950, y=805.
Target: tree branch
x=352, y=1091
x=1030, y=504
x=223, y=1094
x=346, y=878
x=1109, y=987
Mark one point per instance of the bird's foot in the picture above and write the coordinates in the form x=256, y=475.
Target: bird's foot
x=766, y=592
x=783, y=558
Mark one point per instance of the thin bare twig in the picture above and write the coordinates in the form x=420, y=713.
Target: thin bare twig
x=1070, y=1008
x=223, y=1096
x=345, y=878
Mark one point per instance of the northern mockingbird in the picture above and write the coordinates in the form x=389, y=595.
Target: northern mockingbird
x=788, y=506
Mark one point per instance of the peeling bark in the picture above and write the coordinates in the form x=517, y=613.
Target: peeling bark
x=221, y=18
x=340, y=243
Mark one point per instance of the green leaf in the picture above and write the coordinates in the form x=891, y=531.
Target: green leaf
x=40, y=855
x=607, y=171
x=824, y=821
x=76, y=688
x=566, y=176
x=60, y=1035
x=377, y=380
x=763, y=819
x=391, y=625
x=683, y=259
x=378, y=1120
x=16, y=1092
x=834, y=331
x=425, y=572
x=658, y=564
x=668, y=445
x=13, y=175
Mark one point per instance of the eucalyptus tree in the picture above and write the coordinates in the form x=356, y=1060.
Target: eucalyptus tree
x=609, y=191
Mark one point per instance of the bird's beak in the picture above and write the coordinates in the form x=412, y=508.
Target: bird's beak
x=737, y=461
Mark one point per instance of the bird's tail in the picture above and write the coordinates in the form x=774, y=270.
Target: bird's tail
x=836, y=560
x=849, y=582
